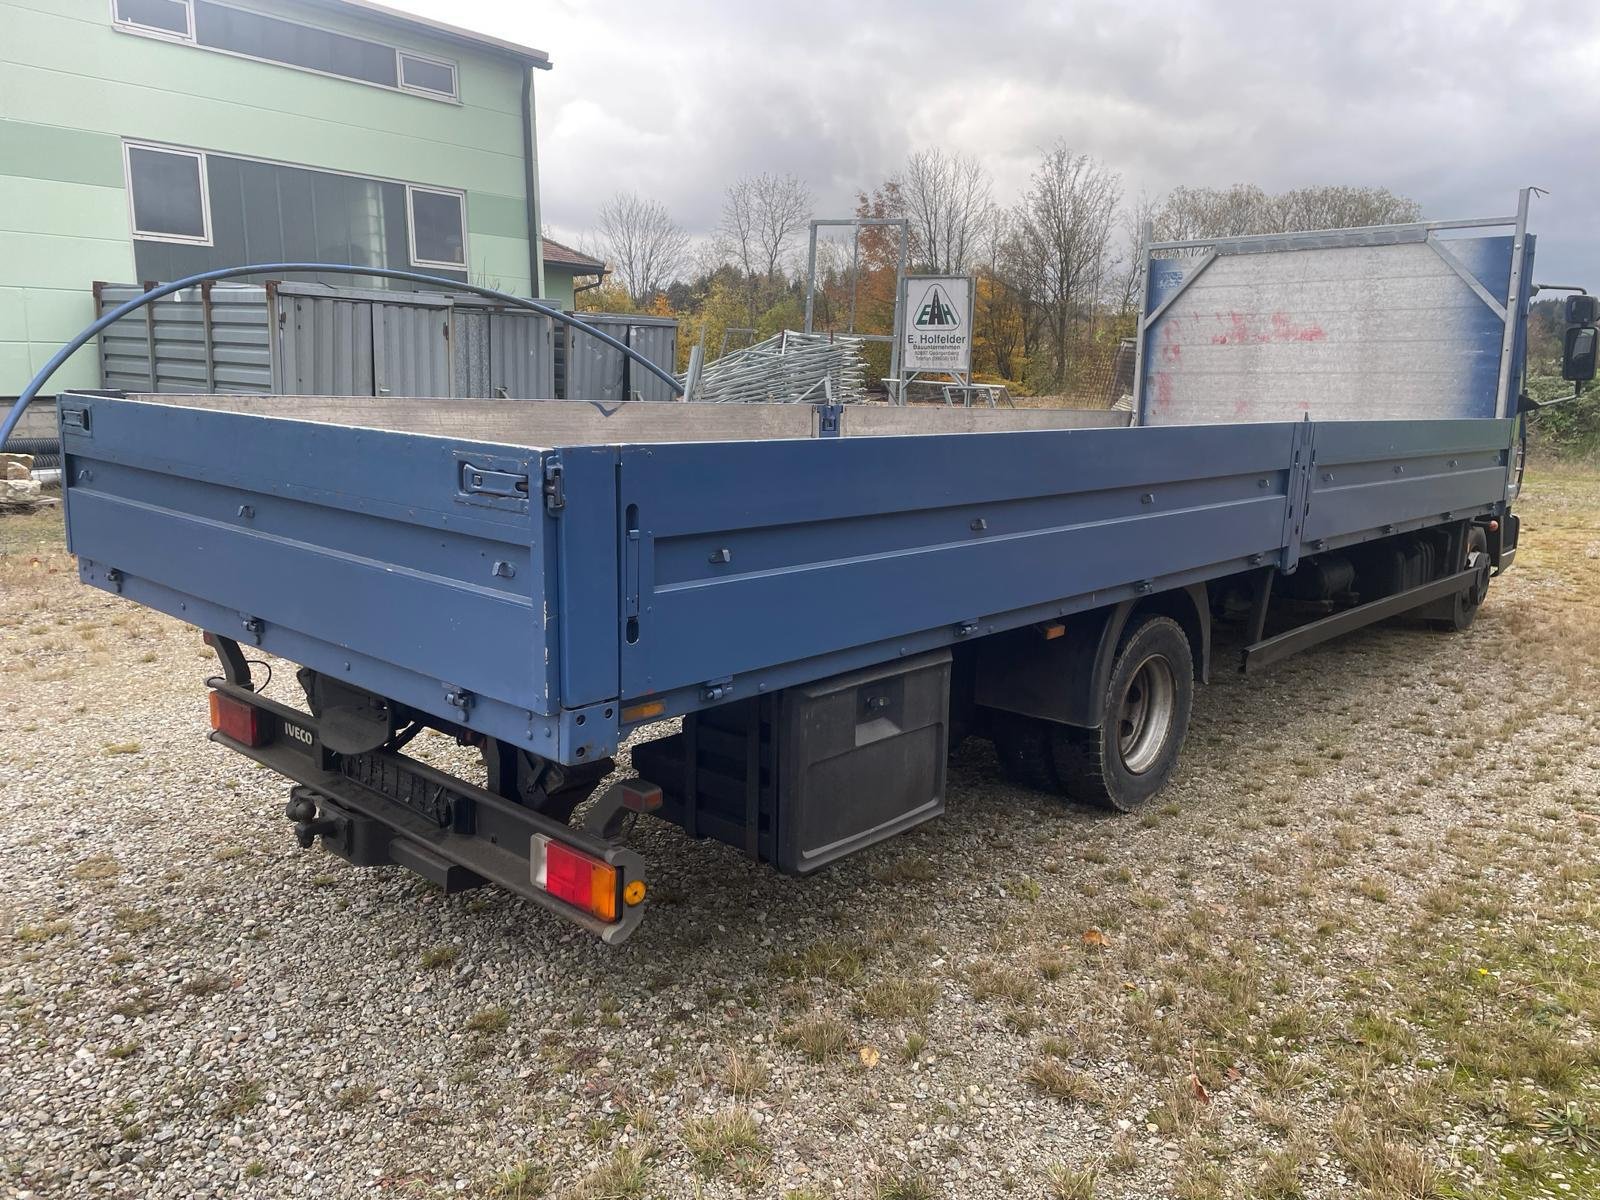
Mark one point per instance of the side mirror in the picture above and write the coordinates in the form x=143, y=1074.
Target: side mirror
x=1578, y=357
x=1583, y=310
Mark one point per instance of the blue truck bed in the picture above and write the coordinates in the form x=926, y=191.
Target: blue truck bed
x=603, y=577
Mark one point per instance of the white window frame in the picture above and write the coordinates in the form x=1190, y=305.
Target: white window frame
x=411, y=227
x=453, y=95
x=199, y=156
x=164, y=35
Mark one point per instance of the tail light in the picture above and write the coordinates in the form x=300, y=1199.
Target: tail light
x=238, y=720
x=571, y=875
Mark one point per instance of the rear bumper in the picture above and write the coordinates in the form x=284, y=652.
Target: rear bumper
x=388, y=809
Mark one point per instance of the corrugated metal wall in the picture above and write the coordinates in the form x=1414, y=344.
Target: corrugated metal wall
x=588, y=369
x=188, y=342
x=313, y=339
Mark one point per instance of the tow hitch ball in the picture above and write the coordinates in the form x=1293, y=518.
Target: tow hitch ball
x=302, y=810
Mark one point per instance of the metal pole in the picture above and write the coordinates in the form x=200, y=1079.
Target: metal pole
x=1508, y=341
x=855, y=275
x=811, y=277
x=899, y=313
x=1145, y=230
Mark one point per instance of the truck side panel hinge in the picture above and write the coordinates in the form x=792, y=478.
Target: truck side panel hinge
x=555, y=488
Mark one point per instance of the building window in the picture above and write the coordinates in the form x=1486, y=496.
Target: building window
x=195, y=210
x=167, y=193
x=256, y=35
x=165, y=18
x=418, y=74
x=438, y=227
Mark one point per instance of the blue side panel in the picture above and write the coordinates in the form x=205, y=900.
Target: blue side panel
x=758, y=554
x=584, y=537
x=1372, y=477
x=356, y=539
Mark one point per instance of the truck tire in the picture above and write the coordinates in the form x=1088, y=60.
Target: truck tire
x=1465, y=604
x=1133, y=753
x=1022, y=744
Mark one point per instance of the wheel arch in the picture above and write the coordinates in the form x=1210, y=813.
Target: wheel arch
x=1062, y=676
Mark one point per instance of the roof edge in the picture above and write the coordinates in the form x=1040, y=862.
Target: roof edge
x=455, y=33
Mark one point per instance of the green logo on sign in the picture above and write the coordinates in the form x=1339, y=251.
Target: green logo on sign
x=936, y=311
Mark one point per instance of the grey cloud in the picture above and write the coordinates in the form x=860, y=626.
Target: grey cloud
x=1456, y=105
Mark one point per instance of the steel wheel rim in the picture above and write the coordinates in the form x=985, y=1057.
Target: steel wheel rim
x=1144, y=717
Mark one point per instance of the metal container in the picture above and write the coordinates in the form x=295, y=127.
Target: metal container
x=314, y=339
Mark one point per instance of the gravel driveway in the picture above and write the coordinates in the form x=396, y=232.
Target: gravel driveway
x=1356, y=952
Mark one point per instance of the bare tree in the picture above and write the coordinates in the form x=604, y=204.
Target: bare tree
x=1128, y=274
x=1333, y=207
x=644, y=245
x=762, y=215
x=1065, y=221
x=947, y=198
x=1245, y=208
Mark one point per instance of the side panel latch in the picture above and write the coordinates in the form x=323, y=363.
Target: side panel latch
x=485, y=481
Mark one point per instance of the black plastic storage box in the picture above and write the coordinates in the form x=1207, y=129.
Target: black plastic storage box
x=816, y=772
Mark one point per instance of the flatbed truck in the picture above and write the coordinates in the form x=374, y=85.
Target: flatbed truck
x=827, y=598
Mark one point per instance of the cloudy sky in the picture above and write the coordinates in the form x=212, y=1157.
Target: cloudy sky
x=1456, y=105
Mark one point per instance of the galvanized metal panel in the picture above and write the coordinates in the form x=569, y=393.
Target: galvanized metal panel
x=126, y=361
x=241, y=339
x=199, y=339
x=469, y=332
x=591, y=370
x=519, y=356
x=1336, y=329
x=658, y=342
x=324, y=345
x=181, y=341
x=411, y=349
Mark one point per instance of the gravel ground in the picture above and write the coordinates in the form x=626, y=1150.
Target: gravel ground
x=1355, y=952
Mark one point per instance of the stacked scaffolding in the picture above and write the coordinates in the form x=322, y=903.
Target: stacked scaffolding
x=788, y=368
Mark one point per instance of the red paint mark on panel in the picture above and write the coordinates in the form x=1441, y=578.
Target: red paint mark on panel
x=1163, y=383
x=1279, y=328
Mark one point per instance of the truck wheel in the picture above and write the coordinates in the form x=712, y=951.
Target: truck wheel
x=1126, y=761
x=1465, y=604
x=1022, y=744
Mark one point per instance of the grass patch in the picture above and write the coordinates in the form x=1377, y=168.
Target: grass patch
x=1051, y=1077
x=904, y=1185
x=240, y=1098
x=491, y=1020
x=818, y=1036
x=899, y=996
x=623, y=1177
x=727, y=1143
x=441, y=955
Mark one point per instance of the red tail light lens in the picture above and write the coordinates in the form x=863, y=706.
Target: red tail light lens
x=573, y=876
x=235, y=719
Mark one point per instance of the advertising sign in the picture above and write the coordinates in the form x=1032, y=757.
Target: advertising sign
x=938, y=320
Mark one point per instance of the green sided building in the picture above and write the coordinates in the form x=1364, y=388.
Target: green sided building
x=149, y=139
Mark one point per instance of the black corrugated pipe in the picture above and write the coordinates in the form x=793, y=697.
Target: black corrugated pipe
x=166, y=289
